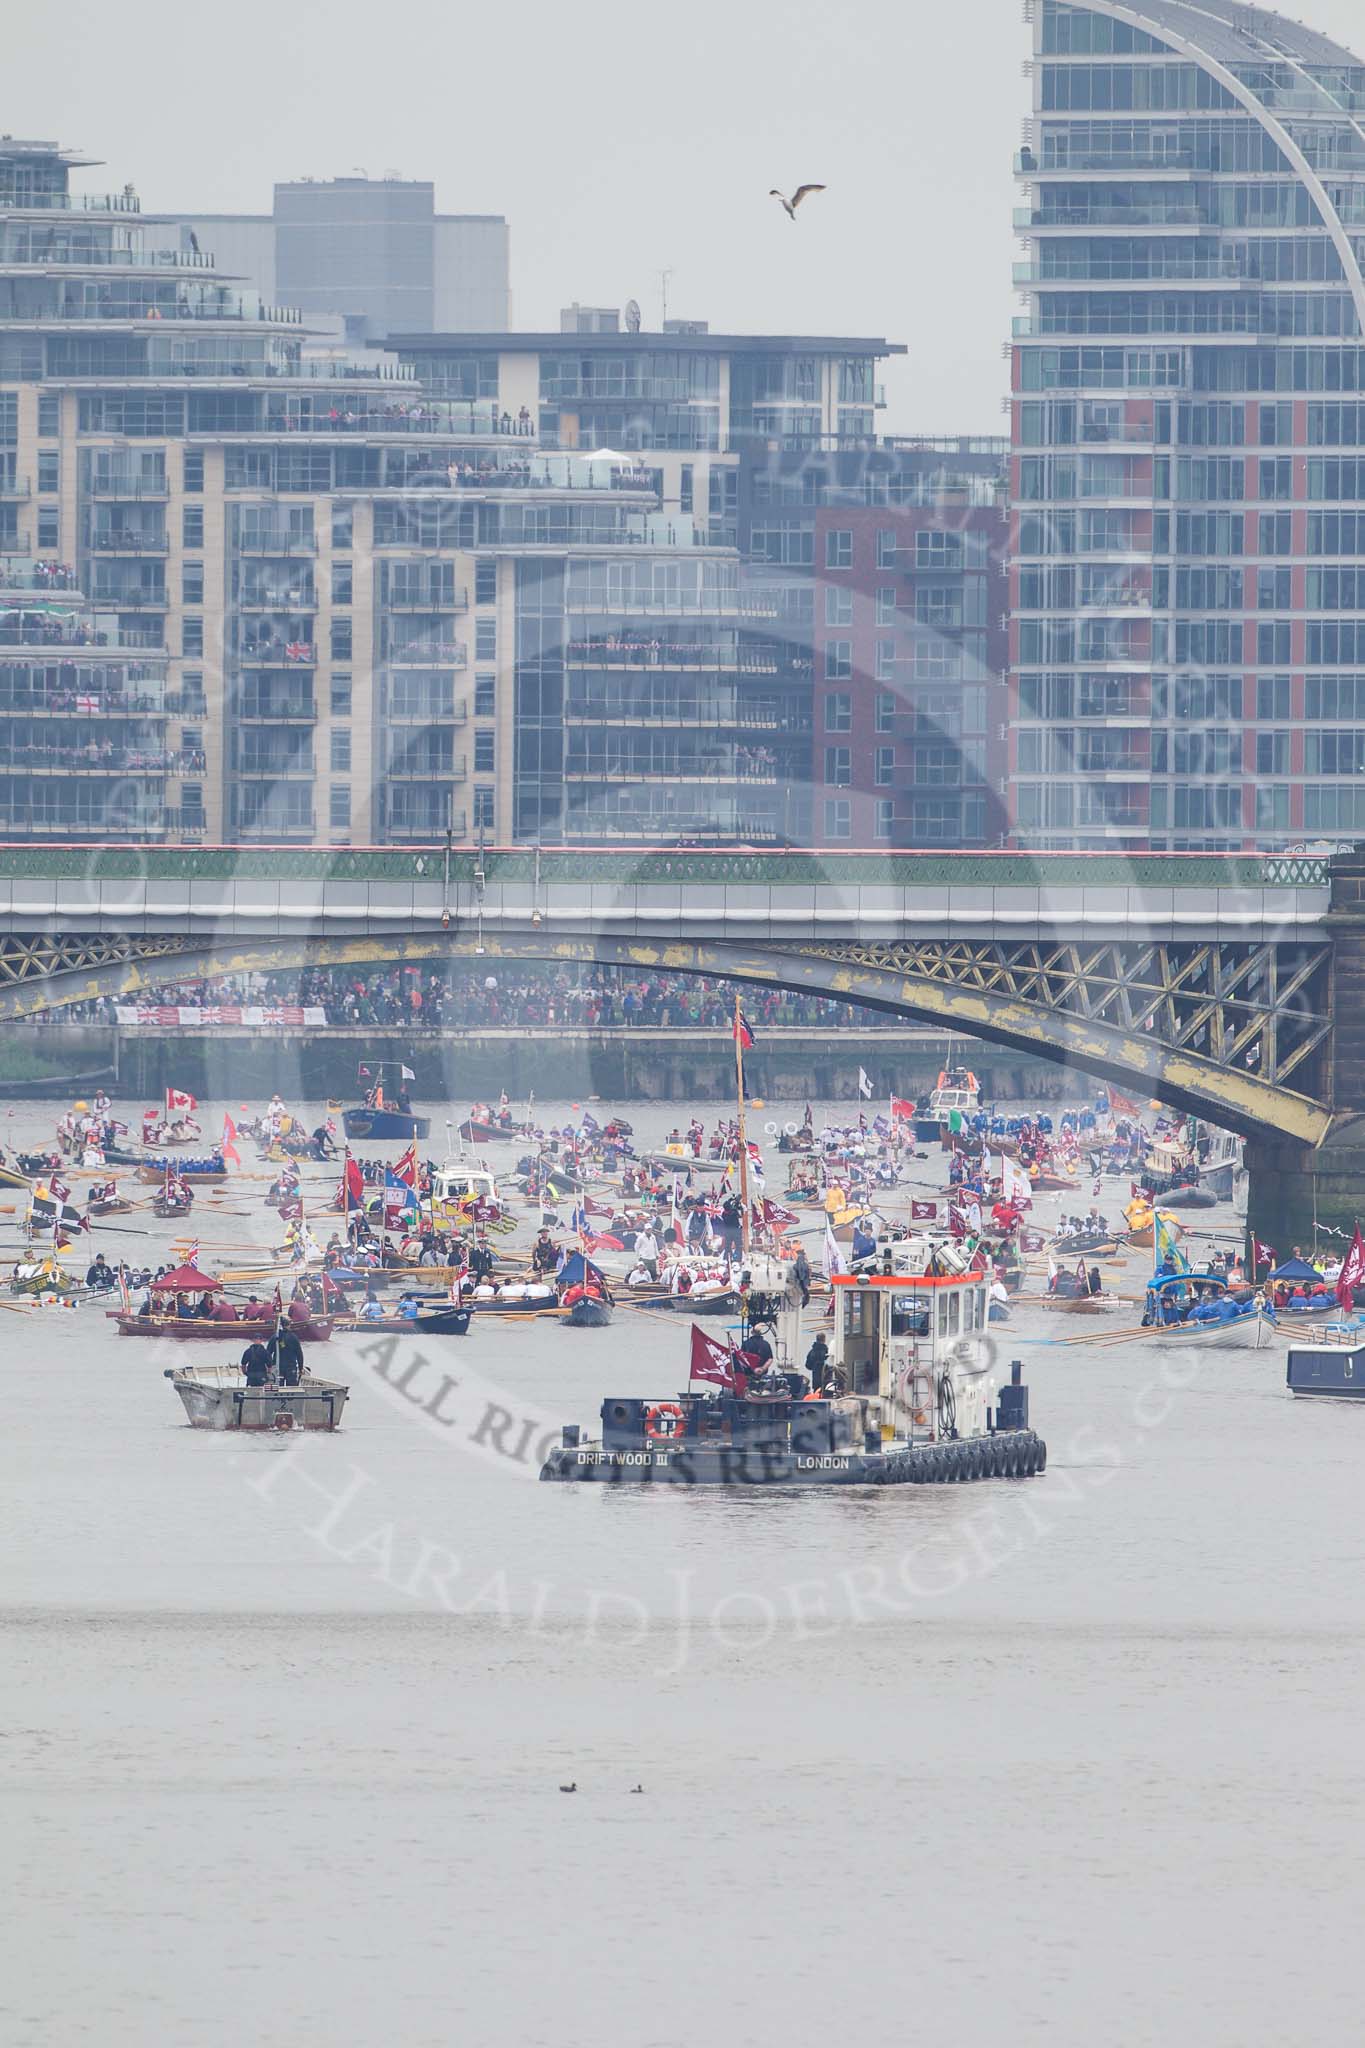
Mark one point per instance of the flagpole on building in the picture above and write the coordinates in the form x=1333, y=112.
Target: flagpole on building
x=743, y=1139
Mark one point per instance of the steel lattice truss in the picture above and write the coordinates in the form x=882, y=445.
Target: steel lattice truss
x=36, y=958
x=1258, y=1007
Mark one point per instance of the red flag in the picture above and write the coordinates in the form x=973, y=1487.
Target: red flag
x=924, y=1212
x=406, y=1169
x=774, y=1213
x=902, y=1109
x=351, y=1193
x=228, y=1148
x=711, y=1361
x=59, y=1188
x=742, y=1031
x=1120, y=1105
x=1352, y=1271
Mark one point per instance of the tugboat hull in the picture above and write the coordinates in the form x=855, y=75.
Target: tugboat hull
x=376, y=1125
x=1014, y=1454
x=1327, y=1372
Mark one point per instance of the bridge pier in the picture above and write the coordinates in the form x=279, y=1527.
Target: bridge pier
x=1295, y=1187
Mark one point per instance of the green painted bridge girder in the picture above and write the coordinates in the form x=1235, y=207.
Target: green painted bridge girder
x=1227, y=1095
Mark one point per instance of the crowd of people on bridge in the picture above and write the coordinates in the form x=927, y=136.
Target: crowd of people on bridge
x=473, y=999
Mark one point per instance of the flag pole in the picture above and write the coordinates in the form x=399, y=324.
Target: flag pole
x=743, y=1140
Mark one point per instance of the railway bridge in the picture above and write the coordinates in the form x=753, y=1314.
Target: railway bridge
x=1231, y=985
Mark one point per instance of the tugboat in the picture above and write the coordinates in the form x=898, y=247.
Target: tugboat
x=384, y=1114
x=907, y=1397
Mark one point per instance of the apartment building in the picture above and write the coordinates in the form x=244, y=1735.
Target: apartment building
x=1188, y=634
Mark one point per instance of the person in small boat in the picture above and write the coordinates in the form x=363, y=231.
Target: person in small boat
x=544, y=1253
x=99, y=1274
x=286, y=1354
x=324, y=1146
x=256, y=1364
x=371, y=1309
x=481, y=1259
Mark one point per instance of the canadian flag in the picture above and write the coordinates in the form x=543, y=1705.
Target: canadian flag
x=179, y=1099
x=711, y=1361
x=228, y=1148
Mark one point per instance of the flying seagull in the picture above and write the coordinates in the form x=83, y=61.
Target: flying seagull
x=790, y=205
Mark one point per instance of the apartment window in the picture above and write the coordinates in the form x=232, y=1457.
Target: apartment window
x=341, y=750
x=886, y=660
x=49, y=470
x=838, y=817
x=192, y=583
x=1277, y=477
x=191, y=635
x=193, y=472
x=1272, y=753
x=1272, y=807
x=341, y=696
x=1272, y=643
x=49, y=415
x=1275, y=533
x=341, y=639
x=192, y=688
x=885, y=766
x=1272, y=698
x=839, y=711
x=485, y=640
x=342, y=577
x=339, y=807
x=1273, y=590
x=839, y=548
x=485, y=696
x=838, y=766
x=483, y=810
x=886, y=816
x=838, y=605
x=887, y=547
x=485, y=582
x=192, y=526
x=886, y=711
x=483, y=753
x=886, y=604
x=838, y=661
x=685, y=487
x=49, y=528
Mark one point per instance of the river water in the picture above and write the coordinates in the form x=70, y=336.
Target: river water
x=284, y=1719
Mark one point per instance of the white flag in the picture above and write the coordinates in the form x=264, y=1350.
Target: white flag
x=1016, y=1186
x=864, y=1085
x=835, y=1261
x=406, y=1074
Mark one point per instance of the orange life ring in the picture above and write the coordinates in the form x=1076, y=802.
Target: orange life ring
x=656, y=1414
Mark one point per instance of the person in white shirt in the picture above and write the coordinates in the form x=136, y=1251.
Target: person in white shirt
x=647, y=1251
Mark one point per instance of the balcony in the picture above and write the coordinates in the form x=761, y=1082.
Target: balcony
x=1103, y=218
x=425, y=831
x=300, y=654
x=69, y=202
x=427, y=768
x=296, y=602
x=292, y=828
x=451, y=602
x=13, y=487
x=287, y=544
x=675, y=604
x=18, y=572
x=92, y=759
x=266, y=711
x=281, y=768
x=178, y=705
x=445, y=714
x=81, y=704
x=428, y=654
x=456, y=421
x=127, y=541
x=128, y=487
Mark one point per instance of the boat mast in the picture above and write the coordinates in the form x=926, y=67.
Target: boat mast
x=743, y=1142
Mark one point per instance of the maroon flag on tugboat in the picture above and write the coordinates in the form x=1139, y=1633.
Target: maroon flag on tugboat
x=711, y=1361
x=1352, y=1271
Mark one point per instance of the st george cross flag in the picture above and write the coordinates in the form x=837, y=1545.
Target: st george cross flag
x=864, y=1085
x=711, y=1361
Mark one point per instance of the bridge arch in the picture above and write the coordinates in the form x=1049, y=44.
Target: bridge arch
x=1229, y=1095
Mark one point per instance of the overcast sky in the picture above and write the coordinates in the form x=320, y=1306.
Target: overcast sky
x=618, y=139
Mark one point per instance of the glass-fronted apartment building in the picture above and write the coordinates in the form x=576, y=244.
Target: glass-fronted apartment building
x=587, y=586
x=1188, y=429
